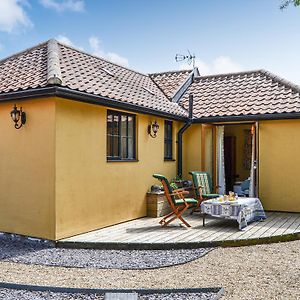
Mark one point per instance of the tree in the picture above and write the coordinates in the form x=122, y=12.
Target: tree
x=286, y=3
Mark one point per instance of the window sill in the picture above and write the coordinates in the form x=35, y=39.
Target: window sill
x=169, y=159
x=122, y=160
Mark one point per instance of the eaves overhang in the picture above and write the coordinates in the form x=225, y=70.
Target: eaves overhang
x=57, y=91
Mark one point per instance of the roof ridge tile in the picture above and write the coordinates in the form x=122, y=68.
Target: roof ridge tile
x=54, y=76
x=294, y=87
x=170, y=72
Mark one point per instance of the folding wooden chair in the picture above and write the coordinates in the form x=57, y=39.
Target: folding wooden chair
x=178, y=203
x=203, y=188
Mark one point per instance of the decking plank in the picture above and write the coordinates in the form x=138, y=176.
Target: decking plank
x=205, y=232
x=295, y=227
x=117, y=233
x=270, y=227
x=284, y=227
x=148, y=230
x=252, y=228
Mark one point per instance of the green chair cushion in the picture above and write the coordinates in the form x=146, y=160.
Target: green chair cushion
x=210, y=195
x=188, y=201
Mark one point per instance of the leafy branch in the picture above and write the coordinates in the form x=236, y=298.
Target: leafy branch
x=286, y=3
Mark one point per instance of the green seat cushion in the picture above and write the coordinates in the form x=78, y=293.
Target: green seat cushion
x=188, y=201
x=210, y=195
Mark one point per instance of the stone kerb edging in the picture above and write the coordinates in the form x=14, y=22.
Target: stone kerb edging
x=38, y=288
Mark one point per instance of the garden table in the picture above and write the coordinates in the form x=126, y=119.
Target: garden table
x=243, y=210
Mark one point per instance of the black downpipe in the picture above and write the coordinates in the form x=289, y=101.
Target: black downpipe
x=180, y=134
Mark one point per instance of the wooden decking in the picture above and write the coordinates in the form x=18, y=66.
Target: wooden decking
x=146, y=233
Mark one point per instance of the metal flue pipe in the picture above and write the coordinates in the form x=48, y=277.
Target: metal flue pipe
x=180, y=134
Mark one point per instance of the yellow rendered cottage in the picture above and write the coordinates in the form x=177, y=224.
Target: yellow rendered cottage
x=78, y=149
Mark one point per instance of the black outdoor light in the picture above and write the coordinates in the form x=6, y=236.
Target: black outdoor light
x=18, y=115
x=153, y=129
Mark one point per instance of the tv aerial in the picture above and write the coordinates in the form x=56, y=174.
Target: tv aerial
x=188, y=58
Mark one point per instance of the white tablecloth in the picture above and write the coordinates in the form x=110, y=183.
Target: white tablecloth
x=244, y=210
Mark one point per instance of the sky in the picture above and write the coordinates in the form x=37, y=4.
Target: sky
x=145, y=35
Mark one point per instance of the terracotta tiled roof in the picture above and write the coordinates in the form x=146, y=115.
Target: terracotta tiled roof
x=245, y=93
x=170, y=81
x=54, y=63
x=237, y=94
x=24, y=70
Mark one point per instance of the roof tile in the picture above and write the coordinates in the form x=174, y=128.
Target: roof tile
x=79, y=71
x=245, y=93
x=236, y=94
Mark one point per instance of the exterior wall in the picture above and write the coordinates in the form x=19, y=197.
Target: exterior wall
x=90, y=192
x=55, y=180
x=27, y=170
x=279, y=165
x=191, y=150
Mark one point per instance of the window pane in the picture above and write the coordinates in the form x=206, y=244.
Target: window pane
x=130, y=126
x=167, y=130
x=170, y=150
x=124, y=125
x=116, y=125
x=124, y=147
x=130, y=148
x=108, y=146
x=109, y=135
x=109, y=124
x=115, y=146
x=168, y=140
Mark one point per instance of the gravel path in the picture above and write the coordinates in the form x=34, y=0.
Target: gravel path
x=21, y=250
x=7, y=294
x=254, y=272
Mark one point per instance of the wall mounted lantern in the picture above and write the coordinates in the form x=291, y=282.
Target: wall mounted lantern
x=18, y=115
x=153, y=129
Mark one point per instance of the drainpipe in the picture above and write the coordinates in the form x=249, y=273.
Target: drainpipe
x=180, y=134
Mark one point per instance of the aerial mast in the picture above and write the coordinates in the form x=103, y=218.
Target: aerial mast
x=188, y=58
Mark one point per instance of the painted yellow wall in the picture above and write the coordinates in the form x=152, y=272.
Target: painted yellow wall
x=27, y=170
x=55, y=181
x=191, y=150
x=238, y=131
x=90, y=192
x=279, y=165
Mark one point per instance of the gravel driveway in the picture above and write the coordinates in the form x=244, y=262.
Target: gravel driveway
x=253, y=272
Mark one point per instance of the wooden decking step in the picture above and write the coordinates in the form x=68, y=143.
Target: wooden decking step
x=146, y=233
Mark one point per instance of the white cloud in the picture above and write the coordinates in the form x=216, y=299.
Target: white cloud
x=116, y=58
x=96, y=49
x=64, y=5
x=13, y=16
x=95, y=45
x=65, y=40
x=222, y=64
